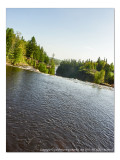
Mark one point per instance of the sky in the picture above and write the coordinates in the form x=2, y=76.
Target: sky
x=69, y=33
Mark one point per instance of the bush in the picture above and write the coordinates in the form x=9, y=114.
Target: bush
x=99, y=77
x=42, y=68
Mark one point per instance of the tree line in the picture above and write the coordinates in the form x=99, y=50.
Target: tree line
x=97, y=72
x=21, y=52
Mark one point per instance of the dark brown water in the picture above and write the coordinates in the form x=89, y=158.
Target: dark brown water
x=49, y=112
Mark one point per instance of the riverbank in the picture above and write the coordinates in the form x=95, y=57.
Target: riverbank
x=26, y=67
x=108, y=85
x=30, y=68
x=63, y=108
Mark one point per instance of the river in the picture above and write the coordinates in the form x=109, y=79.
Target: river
x=50, y=113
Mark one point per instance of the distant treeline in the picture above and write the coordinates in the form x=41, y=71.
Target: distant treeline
x=97, y=72
x=21, y=52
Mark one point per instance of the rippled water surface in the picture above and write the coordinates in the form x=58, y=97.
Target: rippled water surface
x=49, y=112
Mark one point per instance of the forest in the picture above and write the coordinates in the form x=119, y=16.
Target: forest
x=21, y=52
x=99, y=72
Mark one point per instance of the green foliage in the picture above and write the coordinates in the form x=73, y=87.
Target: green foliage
x=110, y=78
x=17, y=54
x=52, y=68
x=19, y=51
x=42, y=67
x=68, y=68
x=111, y=67
x=100, y=64
x=34, y=63
x=31, y=48
x=99, y=77
x=46, y=59
x=98, y=72
x=10, y=42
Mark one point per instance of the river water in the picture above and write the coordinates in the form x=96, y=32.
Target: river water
x=50, y=113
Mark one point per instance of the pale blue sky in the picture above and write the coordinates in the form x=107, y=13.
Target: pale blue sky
x=68, y=33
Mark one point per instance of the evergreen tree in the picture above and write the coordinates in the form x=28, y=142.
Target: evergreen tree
x=31, y=48
x=19, y=51
x=98, y=72
x=18, y=54
x=10, y=42
x=52, y=68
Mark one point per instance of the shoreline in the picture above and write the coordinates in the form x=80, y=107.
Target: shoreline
x=30, y=68
x=25, y=67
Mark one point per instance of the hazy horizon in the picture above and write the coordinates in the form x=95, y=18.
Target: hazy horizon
x=72, y=33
